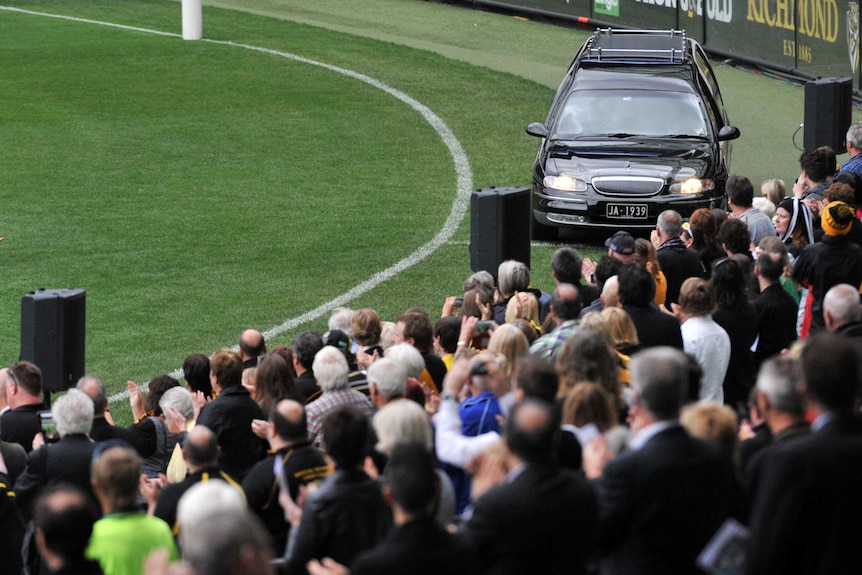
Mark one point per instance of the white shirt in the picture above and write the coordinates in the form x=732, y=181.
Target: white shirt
x=452, y=446
x=710, y=345
x=649, y=431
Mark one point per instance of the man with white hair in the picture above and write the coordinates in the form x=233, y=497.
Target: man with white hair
x=201, y=502
x=841, y=311
x=611, y=292
x=67, y=460
x=387, y=380
x=854, y=148
x=331, y=372
x=342, y=320
x=408, y=356
x=229, y=543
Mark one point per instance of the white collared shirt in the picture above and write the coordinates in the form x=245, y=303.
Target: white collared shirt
x=644, y=435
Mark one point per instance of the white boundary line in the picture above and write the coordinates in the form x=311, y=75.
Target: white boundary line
x=459, y=157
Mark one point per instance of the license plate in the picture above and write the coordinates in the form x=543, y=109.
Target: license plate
x=627, y=211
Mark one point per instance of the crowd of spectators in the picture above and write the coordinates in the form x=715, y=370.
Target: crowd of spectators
x=706, y=377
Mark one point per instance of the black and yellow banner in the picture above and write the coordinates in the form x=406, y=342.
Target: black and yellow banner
x=815, y=37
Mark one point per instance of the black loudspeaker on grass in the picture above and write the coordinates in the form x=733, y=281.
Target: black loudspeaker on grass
x=499, y=228
x=53, y=335
x=828, y=113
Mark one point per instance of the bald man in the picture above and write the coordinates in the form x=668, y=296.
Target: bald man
x=515, y=523
x=200, y=451
x=252, y=346
x=301, y=464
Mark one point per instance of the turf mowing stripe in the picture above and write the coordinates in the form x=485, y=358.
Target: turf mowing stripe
x=459, y=157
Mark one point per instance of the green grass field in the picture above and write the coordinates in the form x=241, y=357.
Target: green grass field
x=197, y=188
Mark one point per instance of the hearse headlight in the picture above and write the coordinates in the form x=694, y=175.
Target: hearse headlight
x=691, y=186
x=565, y=183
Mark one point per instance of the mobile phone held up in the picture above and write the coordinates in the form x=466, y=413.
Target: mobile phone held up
x=46, y=419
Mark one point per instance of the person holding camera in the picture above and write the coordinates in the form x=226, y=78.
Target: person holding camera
x=67, y=460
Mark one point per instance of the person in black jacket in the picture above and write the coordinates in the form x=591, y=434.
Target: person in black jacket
x=346, y=514
x=805, y=517
x=662, y=501
x=538, y=518
x=776, y=309
x=24, y=392
x=229, y=416
x=677, y=261
x=418, y=544
x=300, y=462
x=67, y=460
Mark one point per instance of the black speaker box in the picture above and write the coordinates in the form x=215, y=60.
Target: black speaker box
x=53, y=335
x=828, y=113
x=499, y=228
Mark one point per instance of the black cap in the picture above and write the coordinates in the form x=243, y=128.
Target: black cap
x=336, y=338
x=622, y=243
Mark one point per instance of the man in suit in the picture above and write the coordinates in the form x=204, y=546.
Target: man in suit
x=418, y=544
x=538, y=518
x=778, y=399
x=636, y=292
x=21, y=423
x=66, y=461
x=807, y=516
x=661, y=502
x=677, y=261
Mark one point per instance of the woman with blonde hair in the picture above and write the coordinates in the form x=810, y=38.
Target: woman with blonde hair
x=510, y=343
x=593, y=320
x=645, y=254
x=523, y=305
x=773, y=190
x=621, y=330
